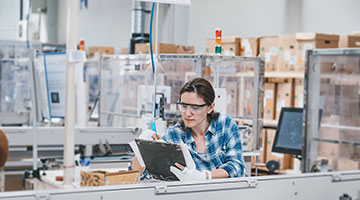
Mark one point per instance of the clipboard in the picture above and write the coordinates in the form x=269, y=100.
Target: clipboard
x=159, y=156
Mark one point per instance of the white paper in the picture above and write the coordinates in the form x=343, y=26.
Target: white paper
x=265, y=101
x=306, y=47
x=244, y=42
x=77, y=56
x=55, y=69
x=137, y=153
x=301, y=102
x=248, y=53
x=292, y=60
x=273, y=51
x=220, y=100
x=287, y=55
x=280, y=104
x=269, y=94
x=267, y=57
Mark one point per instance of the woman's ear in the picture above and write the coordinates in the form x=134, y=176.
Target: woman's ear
x=211, y=108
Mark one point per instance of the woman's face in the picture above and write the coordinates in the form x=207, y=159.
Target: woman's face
x=193, y=110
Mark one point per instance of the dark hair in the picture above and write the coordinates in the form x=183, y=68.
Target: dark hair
x=204, y=89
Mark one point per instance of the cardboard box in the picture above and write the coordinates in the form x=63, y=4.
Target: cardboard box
x=230, y=46
x=269, y=100
x=124, y=51
x=185, y=49
x=284, y=96
x=344, y=164
x=249, y=47
x=286, y=59
x=299, y=93
x=210, y=46
x=100, y=50
x=306, y=41
x=349, y=41
x=101, y=178
x=283, y=159
x=144, y=48
x=269, y=51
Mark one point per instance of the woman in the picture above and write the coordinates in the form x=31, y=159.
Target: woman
x=213, y=139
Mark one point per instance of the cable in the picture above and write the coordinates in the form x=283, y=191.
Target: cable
x=152, y=56
x=150, y=35
x=27, y=26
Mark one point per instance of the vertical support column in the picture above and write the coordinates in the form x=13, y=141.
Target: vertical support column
x=258, y=105
x=71, y=41
x=311, y=111
x=34, y=108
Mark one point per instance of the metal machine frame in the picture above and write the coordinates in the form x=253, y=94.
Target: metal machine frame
x=201, y=61
x=312, y=102
x=303, y=187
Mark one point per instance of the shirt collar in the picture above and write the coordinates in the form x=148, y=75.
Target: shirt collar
x=212, y=127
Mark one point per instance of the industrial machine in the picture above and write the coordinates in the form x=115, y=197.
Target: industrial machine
x=332, y=110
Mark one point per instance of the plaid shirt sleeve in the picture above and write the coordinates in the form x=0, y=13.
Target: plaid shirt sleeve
x=234, y=161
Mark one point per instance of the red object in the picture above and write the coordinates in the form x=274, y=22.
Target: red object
x=217, y=33
x=59, y=178
x=82, y=45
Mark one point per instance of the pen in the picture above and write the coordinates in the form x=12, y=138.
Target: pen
x=153, y=127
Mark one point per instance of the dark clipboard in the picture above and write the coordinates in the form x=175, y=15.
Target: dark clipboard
x=159, y=156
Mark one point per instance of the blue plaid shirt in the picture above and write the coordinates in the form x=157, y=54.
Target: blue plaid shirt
x=223, y=146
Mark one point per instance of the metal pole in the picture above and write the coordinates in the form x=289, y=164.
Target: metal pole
x=33, y=108
x=71, y=41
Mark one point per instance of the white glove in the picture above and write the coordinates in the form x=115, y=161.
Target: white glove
x=188, y=174
x=147, y=135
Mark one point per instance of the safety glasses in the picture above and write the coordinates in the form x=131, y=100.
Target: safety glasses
x=193, y=108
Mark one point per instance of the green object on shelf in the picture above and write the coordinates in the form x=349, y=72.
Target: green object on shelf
x=218, y=49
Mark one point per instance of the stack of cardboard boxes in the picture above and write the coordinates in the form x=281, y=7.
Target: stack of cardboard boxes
x=163, y=48
x=101, y=50
x=287, y=53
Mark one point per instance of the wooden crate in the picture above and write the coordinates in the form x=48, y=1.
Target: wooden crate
x=100, y=178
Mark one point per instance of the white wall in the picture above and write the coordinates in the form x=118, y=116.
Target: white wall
x=235, y=18
x=103, y=23
x=109, y=22
x=331, y=16
x=173, y=24
x=270, y=17
x=9, y=19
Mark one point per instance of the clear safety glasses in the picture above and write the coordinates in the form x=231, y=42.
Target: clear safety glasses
x=193, y=108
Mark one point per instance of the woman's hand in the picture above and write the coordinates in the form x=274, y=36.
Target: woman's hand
x=186, y=174
x=149, y=135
